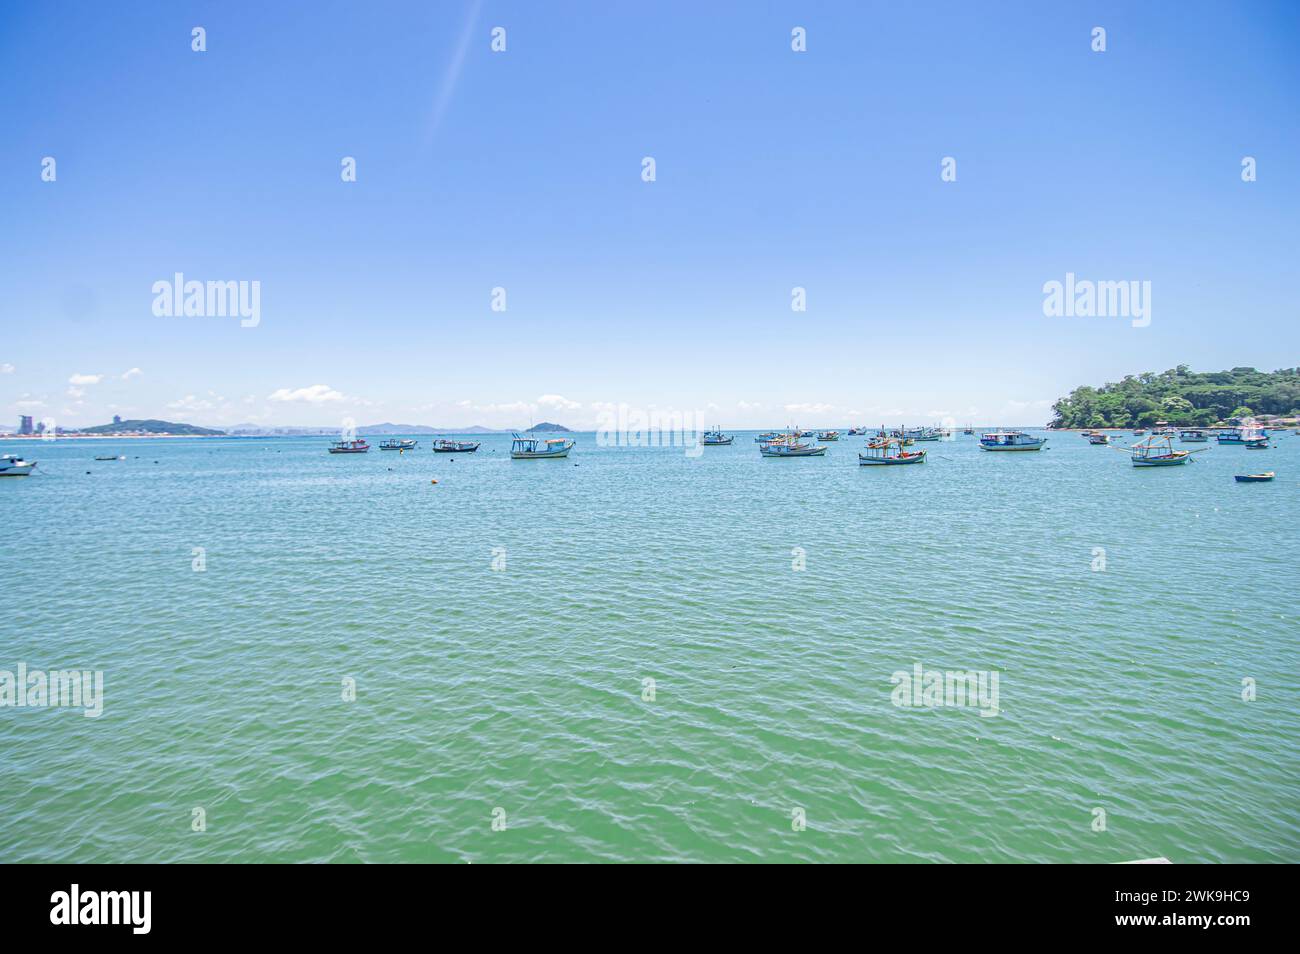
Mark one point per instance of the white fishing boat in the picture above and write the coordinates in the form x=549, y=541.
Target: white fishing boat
x=535, y=448
x=1011, y=441
x=14, y=466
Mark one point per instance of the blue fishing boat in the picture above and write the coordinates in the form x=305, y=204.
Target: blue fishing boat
x=889, y=452
x=535, y=448
x=1011, y=441
x=1254, y=478
x=767, y=436
x=715, y=438
x=1246, y=434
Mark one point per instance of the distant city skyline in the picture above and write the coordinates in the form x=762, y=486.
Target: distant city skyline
x=493, y=214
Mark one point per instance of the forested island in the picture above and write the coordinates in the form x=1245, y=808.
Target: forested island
x=1182, y=397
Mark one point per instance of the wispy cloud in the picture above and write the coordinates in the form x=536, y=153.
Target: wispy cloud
x=314, y=394
x=133, y=373
x=455, y=66
x=85, y=379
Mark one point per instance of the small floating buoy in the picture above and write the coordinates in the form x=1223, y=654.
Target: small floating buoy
x=432, y=481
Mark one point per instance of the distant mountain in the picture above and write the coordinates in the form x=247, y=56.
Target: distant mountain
x=548, y=426
x=150, y=427
x=380, y=429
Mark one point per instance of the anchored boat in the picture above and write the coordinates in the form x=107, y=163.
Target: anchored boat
x=791, y=446
x=455, y=447
x=1158, y=451
x=828, y=435
x=1098, y=437
x=1011, y=441
x=534, y=448
x=767, y=436
x=14, y=466
x=1254, y=478
x=1193, y=437
x=715, y=437
x=404, y=444
x=356, y=446
x=888, y=452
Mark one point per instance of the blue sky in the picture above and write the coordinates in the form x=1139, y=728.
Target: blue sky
x=522, y=169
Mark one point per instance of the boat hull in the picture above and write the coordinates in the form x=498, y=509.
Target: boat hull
x=349, y=450
x=21, y=470
x=1162, y=461
x=1253, y=478
x=539, y=455
x=865, y=461
x=1013, y=447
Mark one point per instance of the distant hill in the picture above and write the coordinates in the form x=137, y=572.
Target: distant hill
x=547, y=426
x=150, y=427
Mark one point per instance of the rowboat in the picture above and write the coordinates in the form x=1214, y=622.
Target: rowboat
x=356, y=446
x=454, y=447
x=14, y=466
x=109, y=457
x=534, y=448
x=1011, y=441
x=791, y=446
x=889, y=452
x=1158, y=451
x=398, y=445
x=1254, y=478
x=715, y=438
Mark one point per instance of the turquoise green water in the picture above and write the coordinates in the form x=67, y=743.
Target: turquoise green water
x=521, y=688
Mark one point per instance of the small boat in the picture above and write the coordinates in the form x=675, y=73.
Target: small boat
x=110, y=457
x=968, y=430
x=1098, y=437
x=404, y=444
x=922, y=434
x=715, y=438
x=856, y=431
x=1087, y=433
x=1158, y=451
x=889, y=451
x=455, y=447
x=13, y=466
x=828, y=435
x=1258, y=443
x=535, y=448
x=356, y=446
x=1254, y=478
x=1011, y=441
x=767, y=436
x=1193, y=437
x=1139, y=433
x=1242, y=435
x=791, y=446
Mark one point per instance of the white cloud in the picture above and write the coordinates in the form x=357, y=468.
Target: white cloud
x=76, y=393
x=134, y=372
x=315, y=394
x=748, y=405
x=85, y=379
x=558, y=403
x=809, y=408
x=6, y=368
x=192, y=403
